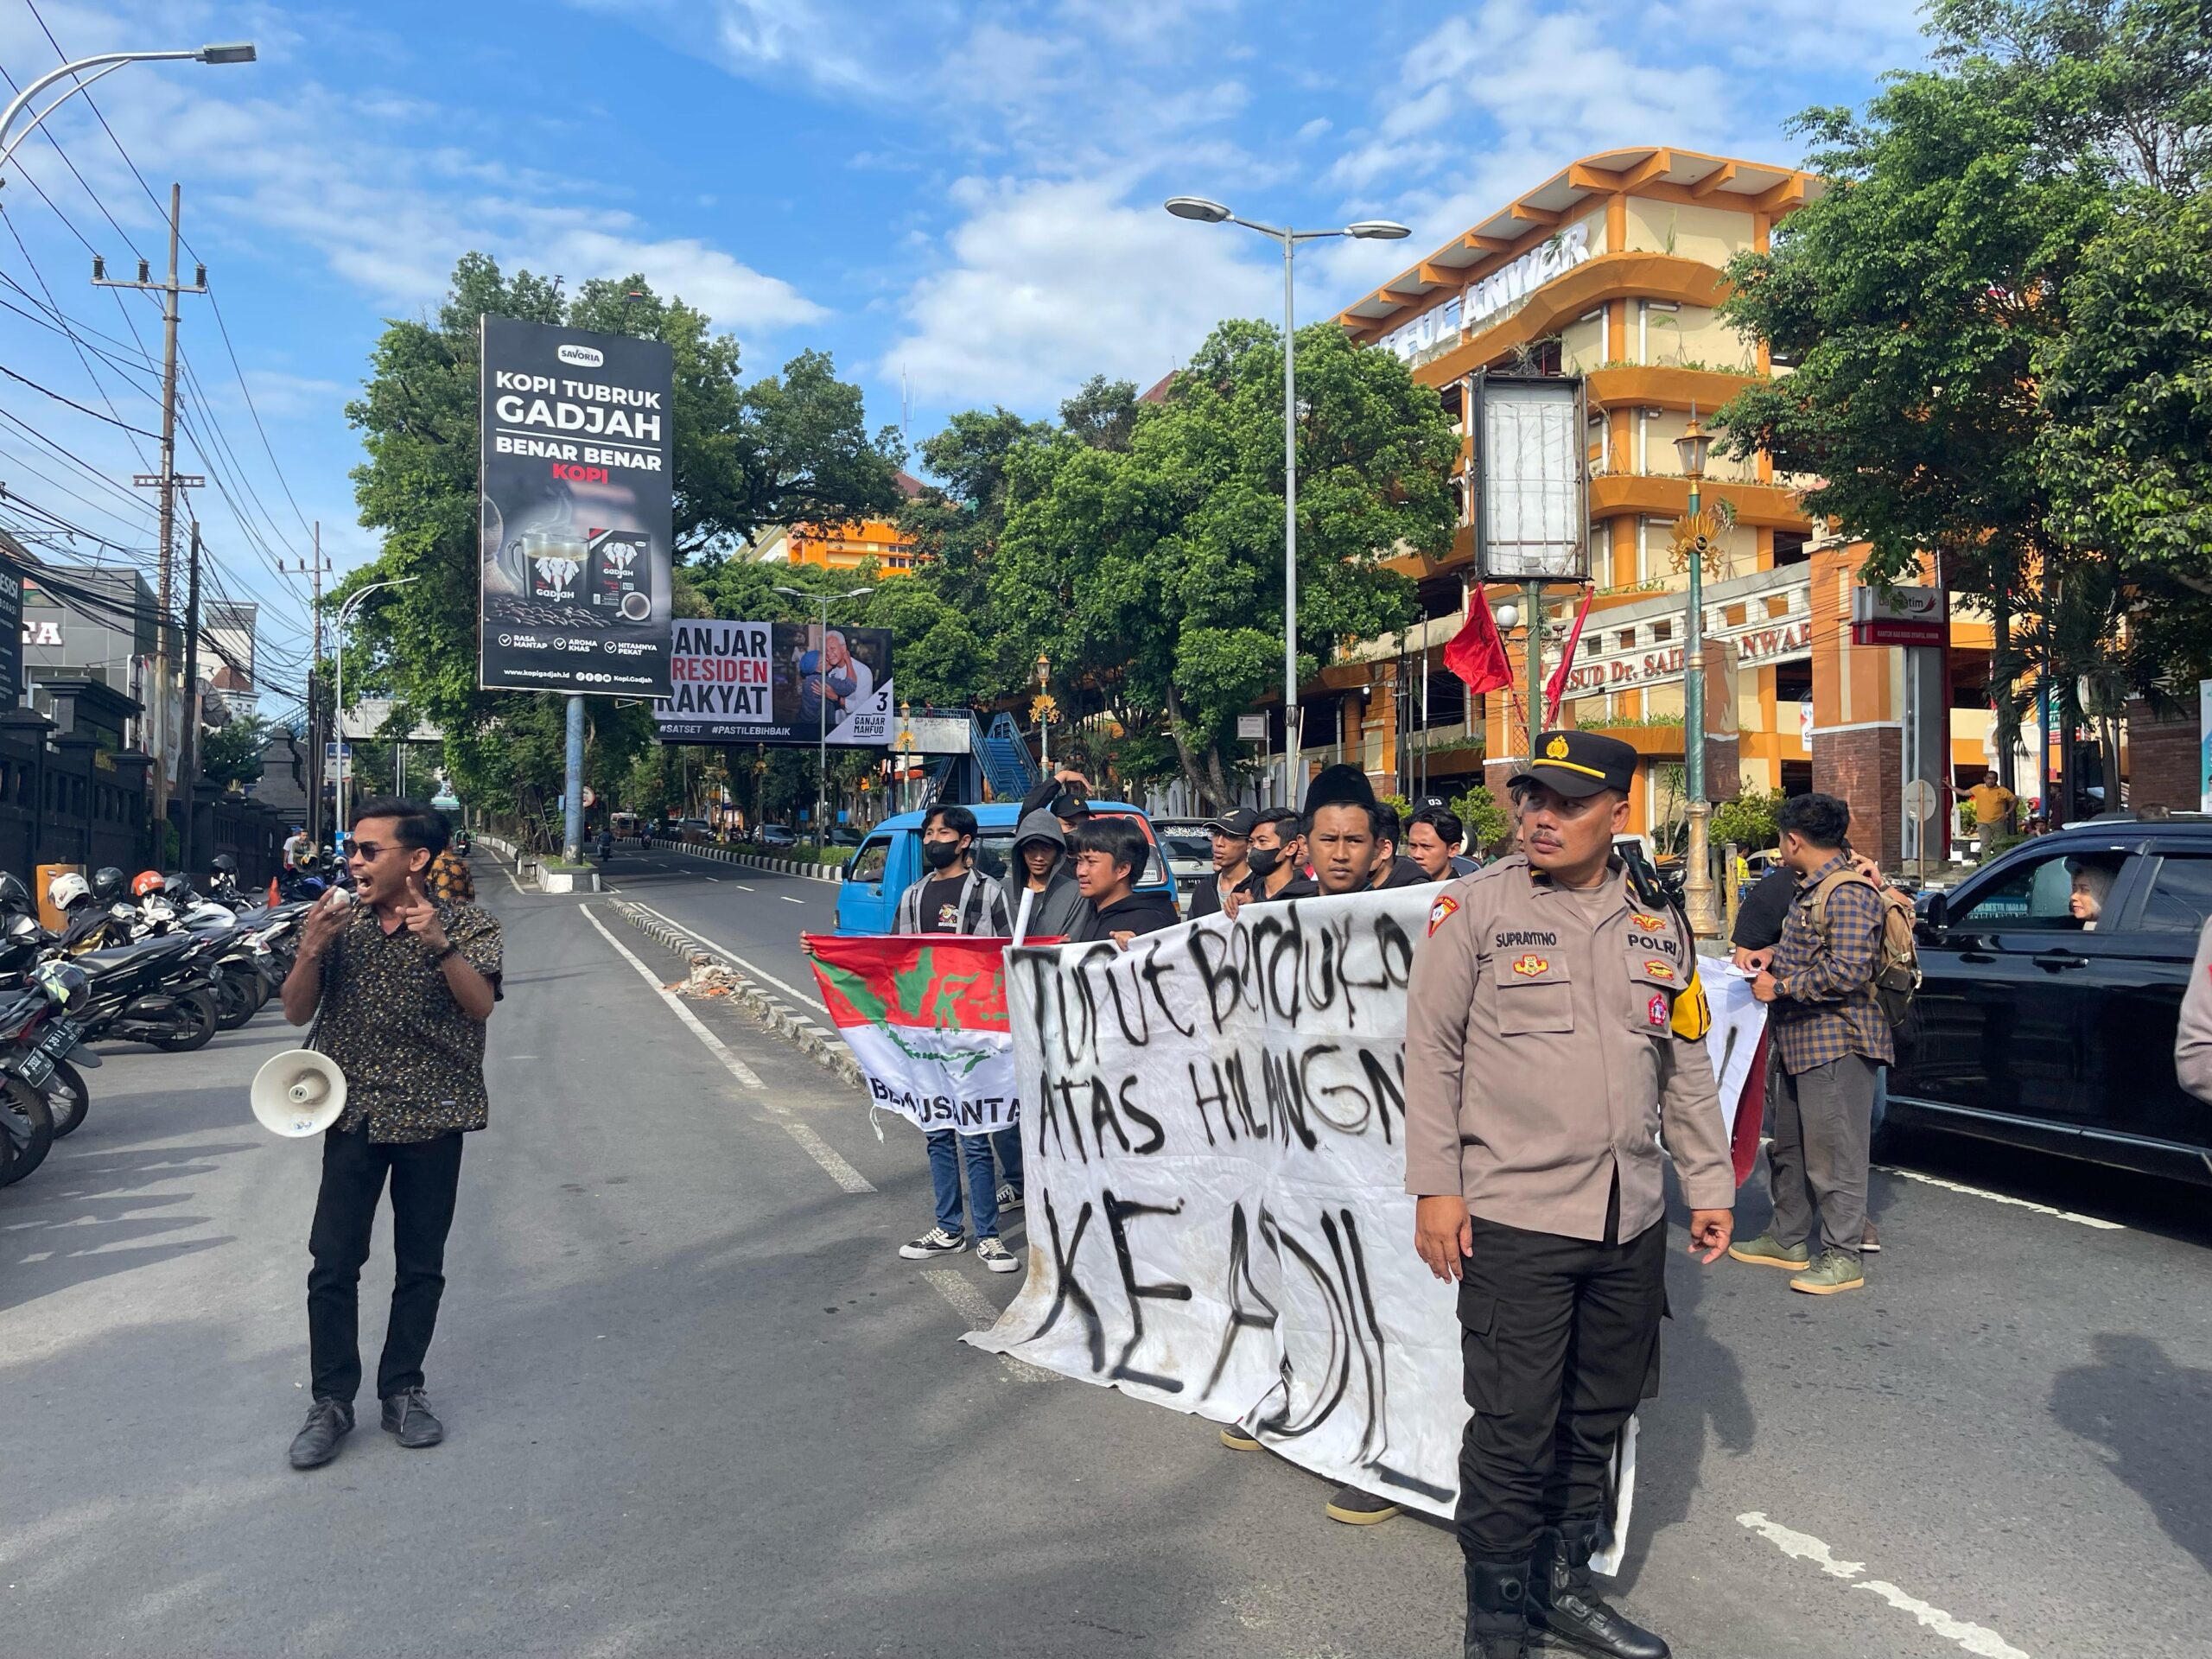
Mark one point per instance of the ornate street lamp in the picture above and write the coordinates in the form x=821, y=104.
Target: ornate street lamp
x=1696, y=540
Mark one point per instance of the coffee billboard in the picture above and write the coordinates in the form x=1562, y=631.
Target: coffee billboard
x=577, y=455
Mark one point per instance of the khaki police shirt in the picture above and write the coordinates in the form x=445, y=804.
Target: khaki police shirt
x=1540, y=1057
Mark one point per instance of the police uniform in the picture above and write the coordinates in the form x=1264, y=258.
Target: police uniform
x=1551, y=1036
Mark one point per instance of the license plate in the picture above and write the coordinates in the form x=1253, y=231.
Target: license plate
x=35, y=1069
x=60, y=1037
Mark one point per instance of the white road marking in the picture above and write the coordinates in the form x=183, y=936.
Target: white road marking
x=1973, y=1639
x=714, y=877
x=512, y=882
x=2097, y=1222
x=741, y=886
x=815, y=1147
x=788, y=899
x=736, y=960
x=971, y=1304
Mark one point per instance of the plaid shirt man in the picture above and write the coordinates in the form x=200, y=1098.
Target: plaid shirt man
x=1824, y=1006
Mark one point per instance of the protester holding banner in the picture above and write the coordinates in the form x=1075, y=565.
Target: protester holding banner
x=955, y=897
x=1232, y=843
x=1043, y=877
x=1553, y=1031
x=1110, y=855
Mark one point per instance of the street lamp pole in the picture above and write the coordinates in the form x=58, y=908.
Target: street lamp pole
x=1380, y=230
x=105, y=63
x=341, y=826
x=822, y=703
x=1697, y=886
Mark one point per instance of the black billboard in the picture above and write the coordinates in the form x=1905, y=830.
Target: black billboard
x=779, y=683
x=577, y=450
x=11, y=634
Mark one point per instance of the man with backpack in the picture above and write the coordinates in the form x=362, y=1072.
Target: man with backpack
x=1831, y=1033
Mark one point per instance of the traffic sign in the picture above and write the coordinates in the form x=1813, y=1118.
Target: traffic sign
x=1919, y=799
x=181, y=480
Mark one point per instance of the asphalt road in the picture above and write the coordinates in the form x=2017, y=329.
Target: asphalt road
x=698, y=1405
x=754, y=916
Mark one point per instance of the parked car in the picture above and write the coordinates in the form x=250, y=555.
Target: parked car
x=1189, y=845
x=2035, y=1028
x=777, y=837
x=890, y=861
x=844, y=834
x=690, y=830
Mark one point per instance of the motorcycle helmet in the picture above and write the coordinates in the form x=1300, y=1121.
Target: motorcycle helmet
x=223, y=864
x=177, y=888
x=68, y=890
x=148, y=881
x=14, y=895
x=64, y=983
x=108, y=884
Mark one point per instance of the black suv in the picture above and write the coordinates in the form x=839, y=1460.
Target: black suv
x=2053, y=986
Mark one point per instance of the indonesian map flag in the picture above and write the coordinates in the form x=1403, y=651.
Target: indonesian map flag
x=925, y=1014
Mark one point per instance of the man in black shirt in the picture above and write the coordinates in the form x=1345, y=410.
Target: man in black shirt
x=1434, y=838
x=1109, y=853
x=1232, y=841
x=1276, y=858
x=1390, y=869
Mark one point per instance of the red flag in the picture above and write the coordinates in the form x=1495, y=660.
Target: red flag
x=1555, y=687
x=1476, y=654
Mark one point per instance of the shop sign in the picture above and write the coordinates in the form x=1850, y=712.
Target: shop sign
x=1523, y=276
x=1756, y=647
x=1898, y=616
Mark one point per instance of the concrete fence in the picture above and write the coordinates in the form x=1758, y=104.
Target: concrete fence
x=805, y=869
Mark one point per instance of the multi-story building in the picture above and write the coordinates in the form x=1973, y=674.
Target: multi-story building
x=844, y=547
x=1612, y=270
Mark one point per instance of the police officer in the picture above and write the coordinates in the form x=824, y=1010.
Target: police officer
x=1544, y=1045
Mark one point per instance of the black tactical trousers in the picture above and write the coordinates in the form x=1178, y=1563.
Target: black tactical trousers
x=1559, y=1336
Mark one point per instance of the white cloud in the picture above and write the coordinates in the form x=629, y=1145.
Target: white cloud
x=1051, y=281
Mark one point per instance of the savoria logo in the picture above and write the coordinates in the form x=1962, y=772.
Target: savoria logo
x=581, y=357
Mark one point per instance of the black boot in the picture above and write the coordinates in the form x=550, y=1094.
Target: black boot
x=1563, y=1602
x=1497, y=1610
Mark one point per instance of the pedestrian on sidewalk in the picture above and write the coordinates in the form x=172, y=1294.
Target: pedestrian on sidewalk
x=1832, y=1037
x=1232, y=847
x=1110, y=854
x=955, y=896
x=399, y=986
x=1548, y=1059
x=1043, y=869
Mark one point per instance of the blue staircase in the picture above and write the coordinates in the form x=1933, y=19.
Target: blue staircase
x=1006, y=760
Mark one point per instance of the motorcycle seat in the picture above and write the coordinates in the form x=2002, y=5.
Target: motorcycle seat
x=121, y=957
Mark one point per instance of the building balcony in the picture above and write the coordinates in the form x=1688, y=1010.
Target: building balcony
x=1663, y=385
x=1661, y=495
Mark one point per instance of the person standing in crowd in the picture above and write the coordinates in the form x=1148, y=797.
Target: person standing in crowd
x=1340, y=830
x=1276, y=858
x=1546, y=1058
x=2193, y=1038
x=399, y=986
x=1110, y=854
x=1388, y=869
x=955, y=896
x=1434, y=838
x=1043, y=870
x=297, y=845
x=1831, y=1036
x=1232, y=844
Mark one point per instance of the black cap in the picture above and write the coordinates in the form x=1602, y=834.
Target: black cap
x=1432, y=804
x=1339, y=786
x=1238, y=824
x=1580, y=763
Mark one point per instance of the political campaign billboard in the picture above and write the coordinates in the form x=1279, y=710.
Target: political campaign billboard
x=577, y=452
x=779, y=683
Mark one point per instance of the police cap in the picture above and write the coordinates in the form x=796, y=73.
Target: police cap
x=1580, y=763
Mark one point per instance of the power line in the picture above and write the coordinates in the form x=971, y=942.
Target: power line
x=75, y=404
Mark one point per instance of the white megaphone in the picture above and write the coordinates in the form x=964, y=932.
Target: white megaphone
x=298, y=1093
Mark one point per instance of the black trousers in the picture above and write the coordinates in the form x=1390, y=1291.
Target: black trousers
x=1559, y=1336
x=425, y=1175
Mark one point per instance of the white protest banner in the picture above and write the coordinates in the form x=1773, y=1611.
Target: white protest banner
x=925, y=1014
x=1215, y=1174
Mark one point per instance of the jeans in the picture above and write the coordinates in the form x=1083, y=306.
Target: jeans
x=945, y=1158
x=425, y=1176
x=1008, y=1144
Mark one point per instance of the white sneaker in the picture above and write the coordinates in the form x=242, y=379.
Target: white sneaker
x=994, y=1256
x=936, y=1241
x=1008, y=1198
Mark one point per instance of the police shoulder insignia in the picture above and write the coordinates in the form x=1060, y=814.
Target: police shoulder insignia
x=1441, y=912
x=1649, y=924
x=1657, y=1010
x=1531, y=965
x=1659, y=970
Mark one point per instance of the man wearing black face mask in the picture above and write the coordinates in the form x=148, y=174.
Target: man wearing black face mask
x=1277, y=851
x=953, y=897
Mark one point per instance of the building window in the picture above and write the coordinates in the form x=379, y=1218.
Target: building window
x=1790, y=547
x=1662, y=632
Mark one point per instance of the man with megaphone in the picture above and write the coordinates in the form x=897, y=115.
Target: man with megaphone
x=399, y=986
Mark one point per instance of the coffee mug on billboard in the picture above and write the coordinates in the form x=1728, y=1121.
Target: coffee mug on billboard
x=555, y=562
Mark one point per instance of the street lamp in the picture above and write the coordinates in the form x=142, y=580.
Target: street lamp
x=1697, y=887
x=106, y=63
x=344, y=610
x=822, y=702
x=1366, y=230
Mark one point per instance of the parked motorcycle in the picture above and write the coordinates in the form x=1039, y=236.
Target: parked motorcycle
x=159, y=990
x=45, y=1048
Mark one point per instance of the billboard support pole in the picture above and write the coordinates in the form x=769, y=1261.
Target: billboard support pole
x=572, y=833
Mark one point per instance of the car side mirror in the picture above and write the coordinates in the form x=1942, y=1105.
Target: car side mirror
x=1934, y=911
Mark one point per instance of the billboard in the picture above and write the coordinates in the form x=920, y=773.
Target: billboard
x=12, y=634
x=577, y=448
x=779, y=683
x=1532, y=520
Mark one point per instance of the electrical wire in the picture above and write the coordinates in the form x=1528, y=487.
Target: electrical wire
x=26, y=380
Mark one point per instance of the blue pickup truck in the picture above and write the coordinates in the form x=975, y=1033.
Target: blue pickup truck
x=890, y=861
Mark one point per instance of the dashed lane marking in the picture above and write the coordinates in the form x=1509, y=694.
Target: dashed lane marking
x=971, y=1304
x=741, y=886
x=1982, y=1643
x=2097, y=1222
x=736, y=960
x=788, y=899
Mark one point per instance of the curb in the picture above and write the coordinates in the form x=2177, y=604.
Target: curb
x=802, y=868
x=811, y=1038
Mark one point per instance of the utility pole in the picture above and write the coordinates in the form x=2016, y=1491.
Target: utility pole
x=188, y=745
x=166, y=481
x=315, y=568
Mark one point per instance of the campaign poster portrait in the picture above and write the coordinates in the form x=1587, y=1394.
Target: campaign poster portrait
x=780, y=682
x=575, y=518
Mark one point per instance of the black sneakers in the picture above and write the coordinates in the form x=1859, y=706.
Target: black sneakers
x=407, y=1414
x=329, y=1422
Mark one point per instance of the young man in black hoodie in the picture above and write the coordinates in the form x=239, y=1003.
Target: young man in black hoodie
x=1110, y=855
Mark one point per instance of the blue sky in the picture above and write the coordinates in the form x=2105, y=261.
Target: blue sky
x=964, y=195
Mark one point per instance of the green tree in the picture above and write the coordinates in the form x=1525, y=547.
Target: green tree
x=1152, y=576
x=1484, y=818
x=231, y=752
x=1749, y=820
